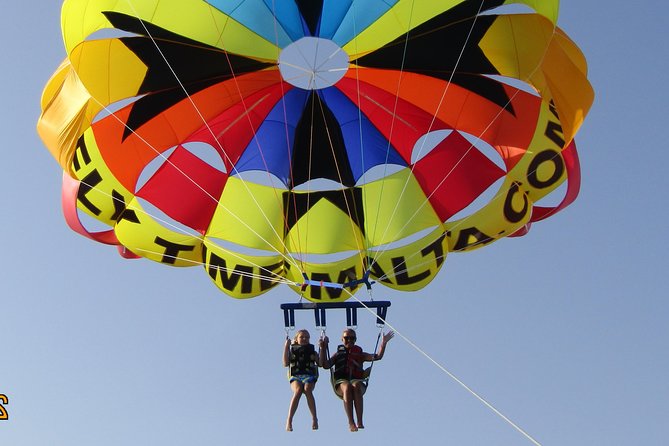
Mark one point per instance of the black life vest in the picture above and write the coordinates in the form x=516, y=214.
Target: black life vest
x=303, y=360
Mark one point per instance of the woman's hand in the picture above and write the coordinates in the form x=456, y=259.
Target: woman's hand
x=388, y=336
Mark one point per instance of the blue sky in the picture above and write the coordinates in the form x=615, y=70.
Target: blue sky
x=564, y=331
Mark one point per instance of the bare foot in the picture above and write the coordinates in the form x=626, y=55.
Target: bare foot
x=289, y=427
x=314, y=425
x=353, y=428
x=360, y=426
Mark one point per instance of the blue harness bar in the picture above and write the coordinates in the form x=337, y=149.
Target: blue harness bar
x=319, y=311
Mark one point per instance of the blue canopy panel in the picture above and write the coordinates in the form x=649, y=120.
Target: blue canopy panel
x=277, y=21
x=365, y=146
x=267, y=152
x=343, y=19
x=282, y=22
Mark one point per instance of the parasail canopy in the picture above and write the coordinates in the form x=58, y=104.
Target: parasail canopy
x=313, y=142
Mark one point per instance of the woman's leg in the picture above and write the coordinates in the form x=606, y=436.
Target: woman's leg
x=311, y=402
x=347, y=396
x=357, y=401
x=295, y=400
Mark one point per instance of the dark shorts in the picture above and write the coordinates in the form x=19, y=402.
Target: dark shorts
x=352, y=381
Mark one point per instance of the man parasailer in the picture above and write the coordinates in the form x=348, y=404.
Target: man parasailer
x=349, y=374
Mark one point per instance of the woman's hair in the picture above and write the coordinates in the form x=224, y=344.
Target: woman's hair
x=297, y=333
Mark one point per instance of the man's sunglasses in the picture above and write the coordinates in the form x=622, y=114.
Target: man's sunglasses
x=349, y=338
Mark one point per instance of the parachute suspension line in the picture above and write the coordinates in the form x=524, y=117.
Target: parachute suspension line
x=450, y=78
x=285, y=254
x=289, y=155
x=367, y=240
x=453, y=377
x=169, y=224
x=471, y=146
x=397, y=272
x=269, y=278
x=392, y=128
x=301, y=260
x=359, y=111
x=434, y=118
x=499, y=194
x=311, y=152
x=351, y=211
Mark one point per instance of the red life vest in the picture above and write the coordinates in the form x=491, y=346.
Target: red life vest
x=348, y=363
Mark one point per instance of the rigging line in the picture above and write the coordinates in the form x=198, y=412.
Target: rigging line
x=287, y=258
x=458, y=223
x=359, y=249
x=304, y=250
x=271, y=277
x=365, y=241
x=392, y=128
x=450, y=374
x=499, y=194
x=195, y=234
x=291, y=260
x=301, y=253
x=450, y=79
x=206, y=124
x=471, y=147
x=299, y=260
x=434, y=118
x=395, y=272
x=352, y=8
x=426, y=201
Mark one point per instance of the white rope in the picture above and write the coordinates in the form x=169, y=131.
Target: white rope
x=450, y=374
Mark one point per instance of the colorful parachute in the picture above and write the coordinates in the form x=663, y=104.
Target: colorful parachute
x=313, y=141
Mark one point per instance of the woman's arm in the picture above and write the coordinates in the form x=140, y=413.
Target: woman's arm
x=382, y=348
